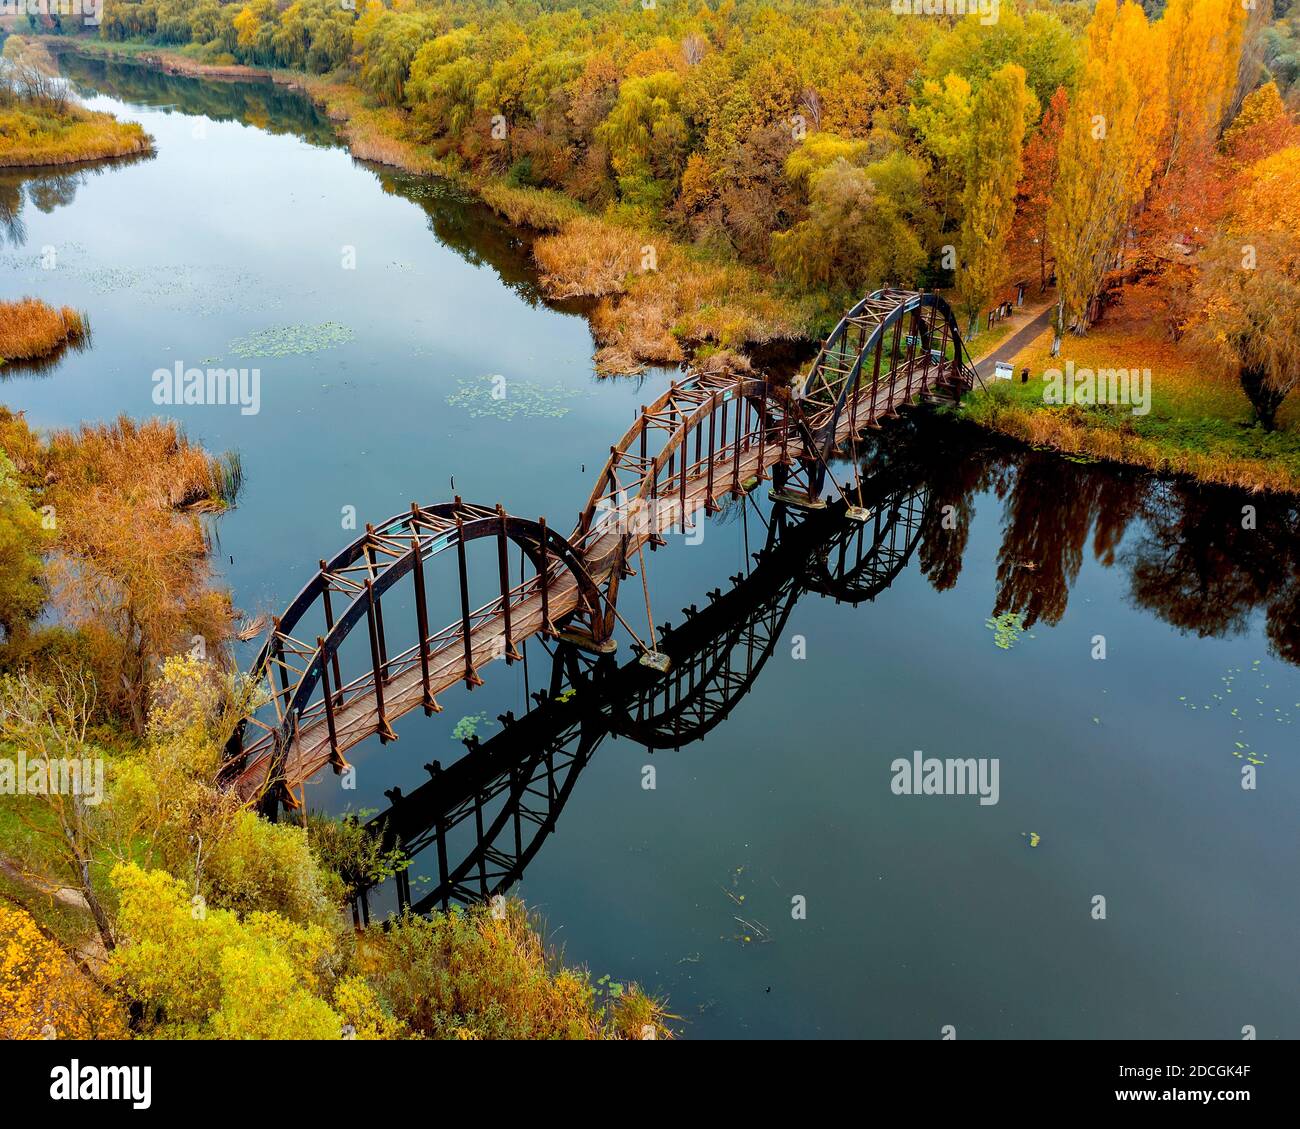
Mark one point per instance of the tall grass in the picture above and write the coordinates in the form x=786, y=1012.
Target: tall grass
x=35, y=136
x=30, y=329
x=154, y=462
x=542, y=209
x=227, y=477
x=658, y=299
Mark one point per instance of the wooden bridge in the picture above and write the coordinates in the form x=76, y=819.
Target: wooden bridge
x=709, y=437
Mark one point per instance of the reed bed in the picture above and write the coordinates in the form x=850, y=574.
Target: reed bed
x=32, y=136
x=30, y=329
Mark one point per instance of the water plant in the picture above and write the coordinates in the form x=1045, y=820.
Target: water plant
x=1007, y=629
x=493, y=397
x=290, y=340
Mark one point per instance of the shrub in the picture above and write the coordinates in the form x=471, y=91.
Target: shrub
x=472, y=975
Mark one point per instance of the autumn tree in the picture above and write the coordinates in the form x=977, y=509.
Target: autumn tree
x=1038, y=176
x=22, y=540
x=43, y=993
x=941, y=117
x=195, y=972
x=867, y=227
x=1263, y=126
x=992, y=159
x=1108, y=152
x=1037, y=41
x=1203, y=46
x=131, y=567
x=1248, y=291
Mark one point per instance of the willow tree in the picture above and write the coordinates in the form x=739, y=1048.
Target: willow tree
x=1249, y=286
x=647, y=135
x=1108, y=152
x=992, y=158
x=866, y=227
x=1251, y=316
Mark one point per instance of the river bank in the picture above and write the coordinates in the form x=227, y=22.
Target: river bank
x=1194, y=419
x=656, y=302
x=40, y=127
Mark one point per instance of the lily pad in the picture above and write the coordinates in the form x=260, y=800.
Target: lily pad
x=494, y=397
x=290, y=340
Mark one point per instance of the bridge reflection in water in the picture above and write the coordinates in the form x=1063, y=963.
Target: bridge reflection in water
x=487, y=815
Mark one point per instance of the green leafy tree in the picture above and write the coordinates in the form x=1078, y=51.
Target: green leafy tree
x=867, y=227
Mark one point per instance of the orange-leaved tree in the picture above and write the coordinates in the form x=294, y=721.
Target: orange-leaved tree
x=1248, y=292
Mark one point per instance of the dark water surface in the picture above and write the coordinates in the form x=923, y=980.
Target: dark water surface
x=821, y=664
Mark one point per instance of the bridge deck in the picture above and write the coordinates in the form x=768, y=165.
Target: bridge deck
x=605, y=548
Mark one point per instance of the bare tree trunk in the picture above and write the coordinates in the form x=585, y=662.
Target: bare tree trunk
x=1263, y=397
x=87, y=889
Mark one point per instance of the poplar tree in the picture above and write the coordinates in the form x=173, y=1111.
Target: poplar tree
x=992, y=160
x=1108, y=153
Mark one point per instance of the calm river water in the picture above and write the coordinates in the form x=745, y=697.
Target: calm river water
x=972, y=634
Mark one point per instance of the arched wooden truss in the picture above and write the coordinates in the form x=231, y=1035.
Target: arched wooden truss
x=318, y=717
x=892, y=347
x=707, y=438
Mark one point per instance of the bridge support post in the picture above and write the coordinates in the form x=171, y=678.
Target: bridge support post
x=893, y=365
x=329, y=625
x=503, y=567
x=371, y=561
x=471, y=675
x=421, y=612
x=337, y=763
x=382, y=727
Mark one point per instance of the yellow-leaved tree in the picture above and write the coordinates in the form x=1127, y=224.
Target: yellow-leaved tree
x=1108, y=152
x=196, y=972
x=992, y=158
x=1203, y=47
x=43, y=994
